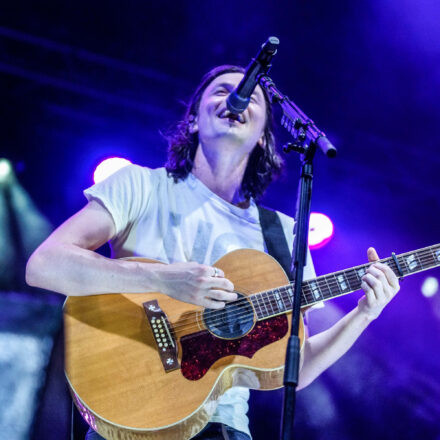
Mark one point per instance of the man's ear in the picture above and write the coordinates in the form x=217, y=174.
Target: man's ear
x=193, y=125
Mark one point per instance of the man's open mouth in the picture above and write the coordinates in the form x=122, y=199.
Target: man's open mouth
x=226, y=114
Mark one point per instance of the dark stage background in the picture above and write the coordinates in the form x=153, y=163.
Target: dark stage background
x=81, y=81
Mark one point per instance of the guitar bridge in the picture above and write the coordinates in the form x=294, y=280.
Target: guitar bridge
x=163, y=334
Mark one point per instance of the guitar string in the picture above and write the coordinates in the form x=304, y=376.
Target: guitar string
x=270, y=304
x=238, y=316
x=351, y=280
x=271, y=301
x=425, y=259
x=267, y=302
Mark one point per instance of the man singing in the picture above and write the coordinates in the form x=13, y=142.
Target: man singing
x=189, y=214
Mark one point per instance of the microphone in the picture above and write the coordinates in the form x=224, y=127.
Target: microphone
x=239, y=99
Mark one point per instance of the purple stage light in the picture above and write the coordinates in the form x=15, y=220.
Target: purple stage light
x=320, y=230
x=109, y=166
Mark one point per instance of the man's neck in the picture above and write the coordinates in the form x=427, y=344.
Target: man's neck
x=222, y=172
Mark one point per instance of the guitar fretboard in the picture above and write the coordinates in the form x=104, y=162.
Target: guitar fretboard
x=278, y=301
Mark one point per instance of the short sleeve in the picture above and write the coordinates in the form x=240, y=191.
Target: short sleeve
x=125, y=194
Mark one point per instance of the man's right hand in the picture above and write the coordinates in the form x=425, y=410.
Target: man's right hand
x=195, y=284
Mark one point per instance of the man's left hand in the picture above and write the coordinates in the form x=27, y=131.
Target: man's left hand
x=380, y=285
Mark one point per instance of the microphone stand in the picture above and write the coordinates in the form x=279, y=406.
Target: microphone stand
x=306, y=138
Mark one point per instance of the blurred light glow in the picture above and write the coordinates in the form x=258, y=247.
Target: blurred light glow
x=5, y=169
x=109, y=166
x=320, y=230
x=430, y=287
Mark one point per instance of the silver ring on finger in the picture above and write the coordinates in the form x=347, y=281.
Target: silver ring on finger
x=216, y=273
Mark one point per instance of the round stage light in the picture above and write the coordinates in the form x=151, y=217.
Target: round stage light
x=109, y=166
x=5, y=169
x=320, y=230
x=429, y=286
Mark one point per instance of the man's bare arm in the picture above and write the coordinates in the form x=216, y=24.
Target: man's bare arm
x=380, y=285
x=66, y=263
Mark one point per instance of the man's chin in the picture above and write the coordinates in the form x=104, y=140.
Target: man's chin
x=229, y=139
x=232, y=135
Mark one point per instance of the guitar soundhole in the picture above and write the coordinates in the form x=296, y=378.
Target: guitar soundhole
x=235, y=320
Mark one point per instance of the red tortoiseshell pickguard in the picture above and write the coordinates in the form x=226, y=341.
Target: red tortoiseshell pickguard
x=200, y=350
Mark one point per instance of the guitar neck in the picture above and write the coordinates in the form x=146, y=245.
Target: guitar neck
x=278, y=301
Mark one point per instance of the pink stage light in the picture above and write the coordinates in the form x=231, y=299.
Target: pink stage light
x=320, y=230
x=109, y=166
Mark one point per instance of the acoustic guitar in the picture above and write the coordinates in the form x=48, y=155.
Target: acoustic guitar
x=146, y=366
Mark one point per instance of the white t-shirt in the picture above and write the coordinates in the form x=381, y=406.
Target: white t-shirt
x=184, y=221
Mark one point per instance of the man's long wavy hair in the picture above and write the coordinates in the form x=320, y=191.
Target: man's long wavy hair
x=264, y=162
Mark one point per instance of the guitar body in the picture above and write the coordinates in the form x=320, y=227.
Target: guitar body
x=117, y=373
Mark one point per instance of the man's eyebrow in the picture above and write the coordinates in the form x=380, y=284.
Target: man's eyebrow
x=225, y=85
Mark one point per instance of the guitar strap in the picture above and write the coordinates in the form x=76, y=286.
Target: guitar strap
x=274, y=238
